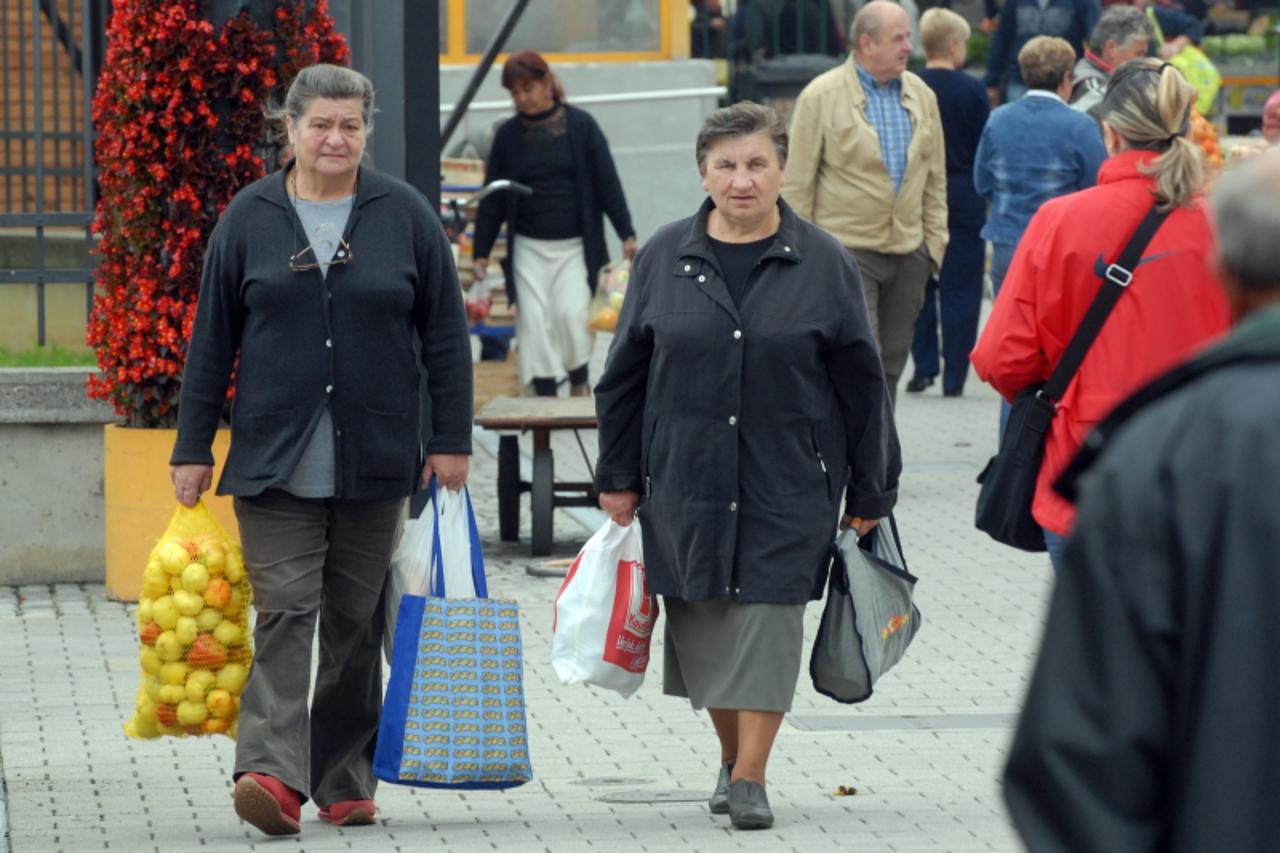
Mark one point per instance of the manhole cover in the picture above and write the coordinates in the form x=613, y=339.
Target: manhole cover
x=642, y=797
x=611, y=780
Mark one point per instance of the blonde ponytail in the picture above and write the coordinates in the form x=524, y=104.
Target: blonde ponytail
x=1148, y=103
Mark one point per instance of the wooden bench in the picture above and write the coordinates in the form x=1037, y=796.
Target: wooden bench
x=541, y=416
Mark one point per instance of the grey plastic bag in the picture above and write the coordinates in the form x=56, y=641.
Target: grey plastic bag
x=869, y=618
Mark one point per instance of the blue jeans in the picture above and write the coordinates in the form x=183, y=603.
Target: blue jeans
x=959, y=290
x=1055, y=544
x=1001, y=258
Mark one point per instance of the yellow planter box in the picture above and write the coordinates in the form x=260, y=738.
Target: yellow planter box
x=138, y=500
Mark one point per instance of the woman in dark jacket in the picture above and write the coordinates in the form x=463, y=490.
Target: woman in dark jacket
x=555, y=237
x=742, y=397
x=322, y=279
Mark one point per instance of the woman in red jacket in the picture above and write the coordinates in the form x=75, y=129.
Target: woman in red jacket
x=1172, y=306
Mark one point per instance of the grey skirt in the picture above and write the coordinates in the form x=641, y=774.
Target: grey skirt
x=725, y=655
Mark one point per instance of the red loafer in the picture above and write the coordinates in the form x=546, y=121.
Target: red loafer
x=268, y=804
x=349, y=813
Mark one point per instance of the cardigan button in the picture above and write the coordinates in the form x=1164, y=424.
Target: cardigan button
x=687, y=268
x=733, y=420
x=328, y=389
x=702, y=278
x=329, y=343
x=786, y=248
x=737, y=334
x=733, y=506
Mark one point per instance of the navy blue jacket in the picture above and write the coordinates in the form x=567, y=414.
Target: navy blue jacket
x=1023, y=20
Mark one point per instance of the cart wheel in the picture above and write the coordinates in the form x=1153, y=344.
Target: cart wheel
x=542, y=500
x=508, y=488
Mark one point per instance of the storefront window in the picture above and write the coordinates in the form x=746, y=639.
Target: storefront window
x=568, y=26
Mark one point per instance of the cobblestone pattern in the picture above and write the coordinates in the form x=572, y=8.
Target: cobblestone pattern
x=924, y=753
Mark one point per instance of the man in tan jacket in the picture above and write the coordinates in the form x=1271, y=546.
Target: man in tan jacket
x=868, y=165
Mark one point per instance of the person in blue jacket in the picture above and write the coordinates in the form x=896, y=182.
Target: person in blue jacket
x=1022, y=20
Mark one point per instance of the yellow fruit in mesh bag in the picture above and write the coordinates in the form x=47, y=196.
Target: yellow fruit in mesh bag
x=191, y=713
x=235, y=568
x=165, y=612
x=151, y=686
x=220, y=702
x=228, y=633
x=169, y=647
x=144, y=610
x=186, y=629
x=171, y=694
x=217, y=593
x=155, y=582
x=175, y=583
x=231, y=678
x=174, y=672
x=195, y=577
x=213, y=554
x=208, y=618
x=171, y=556
x=235, y=604
x=142, y=727
x=215, y=726
x=189, y=603
x=146, y=707
x=199, y=683
x=150, y=661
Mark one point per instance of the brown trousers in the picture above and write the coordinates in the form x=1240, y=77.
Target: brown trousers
x=309, y=558
x=894, y=286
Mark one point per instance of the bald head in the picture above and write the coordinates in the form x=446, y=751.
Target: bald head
x=1246, y=211
x=881, y=39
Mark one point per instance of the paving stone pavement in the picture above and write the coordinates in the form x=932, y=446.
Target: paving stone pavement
x=610, y=774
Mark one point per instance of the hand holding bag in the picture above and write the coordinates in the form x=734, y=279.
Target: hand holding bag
x=413, y=565
x=869, y=618
x=454, y=713
x=1009, y=480
x=604, y=614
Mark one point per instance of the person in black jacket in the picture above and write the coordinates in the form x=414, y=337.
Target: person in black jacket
x=1153, y=718
x=323, y=278
x=555, y=237
x=742, y=398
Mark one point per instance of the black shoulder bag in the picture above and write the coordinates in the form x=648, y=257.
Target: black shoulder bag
x=1009, y=480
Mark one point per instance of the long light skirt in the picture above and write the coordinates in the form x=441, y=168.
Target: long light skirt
x=551, y=312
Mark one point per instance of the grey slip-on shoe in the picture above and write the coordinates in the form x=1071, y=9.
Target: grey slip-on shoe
x=749, y=806
x=719, y=802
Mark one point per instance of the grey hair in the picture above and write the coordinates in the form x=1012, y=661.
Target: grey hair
x=1246, y=210
x=867, y=22
x=1120, y=24
x=333, y=82
x=742, y=119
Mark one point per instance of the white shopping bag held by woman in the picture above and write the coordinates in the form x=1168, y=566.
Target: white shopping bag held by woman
x=438, y=555
x=604, y=614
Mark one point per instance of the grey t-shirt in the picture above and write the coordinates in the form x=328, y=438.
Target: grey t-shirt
x=324, y=223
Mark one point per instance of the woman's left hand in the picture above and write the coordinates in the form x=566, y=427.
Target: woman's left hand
x=449, y=468
x=629, y=248
x=863, y=526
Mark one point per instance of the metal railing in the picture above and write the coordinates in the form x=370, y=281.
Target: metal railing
x=50, y=51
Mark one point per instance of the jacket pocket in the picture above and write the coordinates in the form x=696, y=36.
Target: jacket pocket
x=822, y=462
x=388, y=446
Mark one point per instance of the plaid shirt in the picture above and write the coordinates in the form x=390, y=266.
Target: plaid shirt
x=891, y=121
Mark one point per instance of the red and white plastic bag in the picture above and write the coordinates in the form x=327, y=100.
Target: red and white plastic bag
x=604, y=614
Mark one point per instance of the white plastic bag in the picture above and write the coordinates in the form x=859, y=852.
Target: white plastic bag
x=438, y=555
x=604, y=614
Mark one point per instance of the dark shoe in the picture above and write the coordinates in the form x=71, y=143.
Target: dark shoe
x=719, y=802
x=919, y=383
x=748, y=805
x=268, y=804
x=952, y=392
x=350, y=813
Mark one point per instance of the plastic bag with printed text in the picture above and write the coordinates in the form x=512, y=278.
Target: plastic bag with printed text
x=604, y=614
x=195, y=648
x=611, y=289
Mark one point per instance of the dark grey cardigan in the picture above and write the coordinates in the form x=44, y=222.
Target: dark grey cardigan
x=356, y=341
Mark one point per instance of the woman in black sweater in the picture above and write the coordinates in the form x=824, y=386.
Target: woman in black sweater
x=555, y=237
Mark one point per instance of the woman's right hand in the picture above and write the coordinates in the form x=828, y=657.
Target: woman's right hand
x=479, y=268
x=190, y=481
x=621, y=506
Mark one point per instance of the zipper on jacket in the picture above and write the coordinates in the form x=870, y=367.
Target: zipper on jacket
x=648, y=461
x=822, y=463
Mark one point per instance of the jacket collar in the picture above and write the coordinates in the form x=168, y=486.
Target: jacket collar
x=369, y=186
x=787, y=245
x=1126, y=166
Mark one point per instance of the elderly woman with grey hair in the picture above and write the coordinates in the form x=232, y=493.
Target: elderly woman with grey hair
x=742, y=398
x=335, y=286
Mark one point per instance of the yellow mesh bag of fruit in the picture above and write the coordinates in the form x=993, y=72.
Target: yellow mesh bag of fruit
x=193, y=631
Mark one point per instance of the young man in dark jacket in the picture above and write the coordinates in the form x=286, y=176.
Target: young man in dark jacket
x=1153, y=718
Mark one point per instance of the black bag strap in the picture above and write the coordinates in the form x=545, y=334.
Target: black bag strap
x=1114, y=282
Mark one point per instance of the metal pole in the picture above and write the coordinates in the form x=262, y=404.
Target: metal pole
x=495, y=47
x=37, y=79
x=422, y=101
